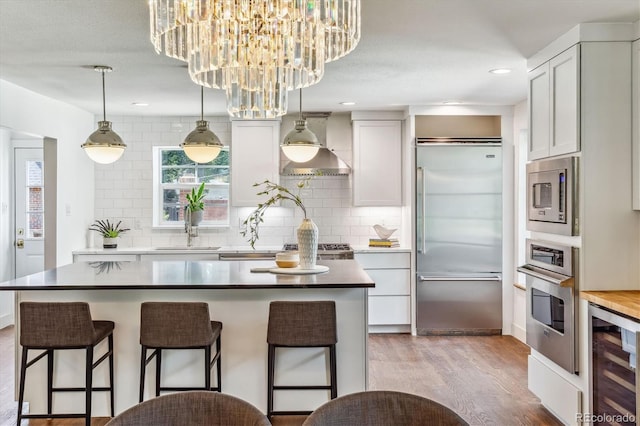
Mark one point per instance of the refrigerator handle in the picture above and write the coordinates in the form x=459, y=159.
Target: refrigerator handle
x=448, y=278
x=420, y=231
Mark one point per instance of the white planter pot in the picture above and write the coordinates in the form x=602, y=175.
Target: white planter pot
x=308, y=244
x=196, y=217
x=109, y=242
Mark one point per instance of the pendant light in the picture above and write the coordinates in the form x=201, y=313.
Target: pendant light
x=300, y=145
x=202, y=145
x=104, y=146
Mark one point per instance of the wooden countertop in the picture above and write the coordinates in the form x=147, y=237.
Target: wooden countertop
x=624, y=301
x=181, y=274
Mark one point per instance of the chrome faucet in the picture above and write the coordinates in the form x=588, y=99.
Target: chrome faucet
x=192, y=231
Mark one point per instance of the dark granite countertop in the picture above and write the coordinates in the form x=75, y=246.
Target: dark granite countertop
x=181, y=274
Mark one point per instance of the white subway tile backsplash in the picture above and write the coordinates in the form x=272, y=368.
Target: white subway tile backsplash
x=124, y=192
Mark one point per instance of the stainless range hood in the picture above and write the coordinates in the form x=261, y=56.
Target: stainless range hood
x=326, y=162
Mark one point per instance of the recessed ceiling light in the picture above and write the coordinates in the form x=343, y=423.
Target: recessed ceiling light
x=347, y=103
x=500, y=71
x=140, y=104
x=452, y=102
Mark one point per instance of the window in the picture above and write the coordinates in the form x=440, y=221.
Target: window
x=174, y=175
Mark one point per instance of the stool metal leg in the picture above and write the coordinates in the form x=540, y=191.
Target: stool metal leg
x=158, y=366
x=49, y=380
x=23, y=373
x=334, y=374
x=218, y=363
x=143, y=368
x=270, y=379
x=111, y=374
x=88, y=385
x=207, y=368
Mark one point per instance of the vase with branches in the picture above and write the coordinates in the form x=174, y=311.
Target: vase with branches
x=307, y=232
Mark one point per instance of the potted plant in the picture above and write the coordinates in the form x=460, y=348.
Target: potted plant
x=195, y=204
x=109, y=231
x=307, y=232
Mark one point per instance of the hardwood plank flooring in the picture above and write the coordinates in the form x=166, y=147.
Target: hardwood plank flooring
x=484, y=378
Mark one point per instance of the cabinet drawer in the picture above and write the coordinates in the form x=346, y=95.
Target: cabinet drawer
x=105, y=257
x=389, y=310
x=173, y=256
x=390, y=282
x=383, y=260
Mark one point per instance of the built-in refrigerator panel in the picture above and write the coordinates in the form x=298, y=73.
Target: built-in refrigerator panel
x=459, y=238
x=460, y=219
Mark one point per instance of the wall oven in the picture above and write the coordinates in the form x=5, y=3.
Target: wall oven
x=551, y=196
x=552, y=304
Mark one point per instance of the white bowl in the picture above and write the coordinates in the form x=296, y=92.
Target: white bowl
x=383, y=232
x=287, y=259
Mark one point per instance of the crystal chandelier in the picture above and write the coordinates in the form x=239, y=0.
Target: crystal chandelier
x=255, y=50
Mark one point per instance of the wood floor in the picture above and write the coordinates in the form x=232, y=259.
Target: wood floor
x=483, y=378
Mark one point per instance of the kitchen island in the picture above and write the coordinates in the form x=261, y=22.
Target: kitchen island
x=236, y=296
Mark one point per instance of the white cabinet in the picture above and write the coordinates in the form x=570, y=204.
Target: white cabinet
x=554, y=106
x=104, y=257
x=255, y=157
x=377, y=163
x=635, y=67
x=180, y=256
x=390, y=300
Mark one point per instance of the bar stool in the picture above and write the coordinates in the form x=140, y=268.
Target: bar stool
x=178, y=325
x=300, y=325
x=60, y=326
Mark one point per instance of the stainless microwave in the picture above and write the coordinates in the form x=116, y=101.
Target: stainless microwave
x=552, y=205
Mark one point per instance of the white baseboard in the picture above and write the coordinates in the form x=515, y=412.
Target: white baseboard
x=389, y=329
x=518, y=332
x=6, y=320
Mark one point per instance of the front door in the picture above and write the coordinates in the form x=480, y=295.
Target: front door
x=29, y=211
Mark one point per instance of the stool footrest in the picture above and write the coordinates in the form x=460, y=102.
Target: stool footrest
x=310, y=387
x=99, y=389
x=53, y=416
x=290, y=413
x=164, y=388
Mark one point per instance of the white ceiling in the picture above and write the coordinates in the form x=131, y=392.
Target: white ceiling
x=412, y=52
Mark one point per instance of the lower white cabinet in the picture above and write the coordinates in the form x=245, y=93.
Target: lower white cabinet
x=105, y=257
x=390, y=300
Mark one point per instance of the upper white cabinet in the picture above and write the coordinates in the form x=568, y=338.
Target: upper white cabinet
x=635, y=67
x=377, y=163
x=554, y=106
x=255, y=157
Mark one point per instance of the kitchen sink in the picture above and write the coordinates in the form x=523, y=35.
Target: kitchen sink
x=186, y=248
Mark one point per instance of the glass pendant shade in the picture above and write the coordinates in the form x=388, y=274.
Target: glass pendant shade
x=300, y=144
x=255, y=50
x=104, y=146
x=202, y=145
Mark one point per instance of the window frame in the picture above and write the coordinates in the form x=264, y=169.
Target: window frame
x=158, y=186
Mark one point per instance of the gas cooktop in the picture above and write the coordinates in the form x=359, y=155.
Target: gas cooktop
x=322, y=246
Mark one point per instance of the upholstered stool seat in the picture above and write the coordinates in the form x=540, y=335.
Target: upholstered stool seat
x=300, y=325
x=60, y=326
x=195, y=408
x=178, y=325
x=382, y=408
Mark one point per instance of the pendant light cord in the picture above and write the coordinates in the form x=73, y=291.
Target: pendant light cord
x=201, y=103
x=104, y=105
x=300, y=103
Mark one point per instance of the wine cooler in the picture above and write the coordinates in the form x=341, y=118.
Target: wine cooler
x=615, y=396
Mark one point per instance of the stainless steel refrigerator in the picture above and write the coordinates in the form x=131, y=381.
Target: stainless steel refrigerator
x=459, y=236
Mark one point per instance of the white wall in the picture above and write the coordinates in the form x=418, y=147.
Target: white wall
x=124, y=192
x=520, y=128
x=27, y=112
x=6, y=248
